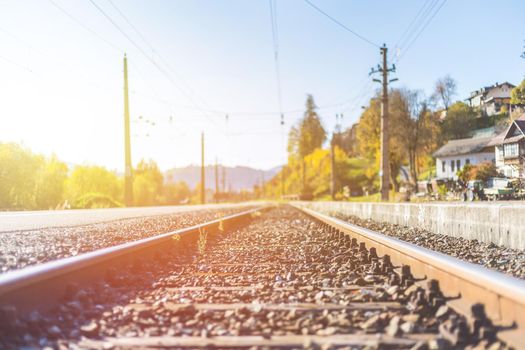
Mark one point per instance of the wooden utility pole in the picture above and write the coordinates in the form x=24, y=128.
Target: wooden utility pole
x=216, y=180
x=203, y=184
x=384, y=171
x=332, y=166
x=128, y=168
x=283, y=179
x=223, y=179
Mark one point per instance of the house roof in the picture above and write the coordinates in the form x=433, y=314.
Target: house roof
x=505, y=136
x=490, y=90
x=463, y=146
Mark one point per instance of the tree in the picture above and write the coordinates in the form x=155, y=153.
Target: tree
x=93, y=181
x=50, y=183
x=309, y=133
x=18, y=169
x=444, y=91
x=147, y=183
x=459, y=121
x=422, y=131
x=518, y=94
x=484, y=171
x=176, y=193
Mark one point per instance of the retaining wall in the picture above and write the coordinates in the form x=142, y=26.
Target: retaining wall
x=502, y=224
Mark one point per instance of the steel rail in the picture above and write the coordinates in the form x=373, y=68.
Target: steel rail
x=41, y=287
x=503, y=296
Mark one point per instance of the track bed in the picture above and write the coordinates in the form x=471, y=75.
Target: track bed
x=282, y=281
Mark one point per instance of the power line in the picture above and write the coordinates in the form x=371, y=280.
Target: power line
x=155, y=64
x=85, y=27
x=341, y=24
x=412, y=23
x=275, y=37
x=131, y=25
x=153, y=50
x=21, y=66
x=421, y=30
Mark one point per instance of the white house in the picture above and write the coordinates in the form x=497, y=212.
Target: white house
x=489, y=100
x=510, y=149
x=453, y=156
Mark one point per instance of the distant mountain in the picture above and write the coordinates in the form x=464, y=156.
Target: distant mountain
x=235, y=178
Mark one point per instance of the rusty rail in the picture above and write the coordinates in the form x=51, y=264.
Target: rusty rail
x=503, y=296
x=40, y=287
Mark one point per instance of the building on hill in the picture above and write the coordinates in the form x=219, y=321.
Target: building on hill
x=453, y=156
x=510, y=149
x=491, y=100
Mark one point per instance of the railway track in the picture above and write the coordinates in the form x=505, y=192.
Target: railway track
x=277, y=278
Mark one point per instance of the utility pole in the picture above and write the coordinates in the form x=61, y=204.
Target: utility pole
x=283, y=178
x=216, y=180
x=384, y=171
x=128, y=168
x=332, y=166
x=203, y=184
x=335, y=135
x=223, y=179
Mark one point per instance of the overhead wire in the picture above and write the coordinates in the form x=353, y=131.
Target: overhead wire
x=150, y=59
x=424, y=21
x=416, y=18
x=341, y=24
x=155, y=52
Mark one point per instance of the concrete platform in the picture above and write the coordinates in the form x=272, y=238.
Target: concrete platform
x=502, y=223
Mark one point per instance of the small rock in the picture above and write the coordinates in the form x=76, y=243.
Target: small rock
x=90, y=329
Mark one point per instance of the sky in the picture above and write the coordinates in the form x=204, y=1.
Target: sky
x=192, y=63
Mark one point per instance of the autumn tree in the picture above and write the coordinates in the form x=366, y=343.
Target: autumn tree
x=445, y=90
x=368, y=132
x=518, y=94
x=422, y=130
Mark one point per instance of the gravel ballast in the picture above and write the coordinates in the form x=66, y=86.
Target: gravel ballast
x=490, y=255
x=281, y=275
x=19, y=249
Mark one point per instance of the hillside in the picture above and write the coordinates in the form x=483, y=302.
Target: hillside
x=237, y=178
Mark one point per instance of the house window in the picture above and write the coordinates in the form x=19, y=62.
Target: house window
x=452, y=165
x=511, y=150
x=443, y=166
x=458, y=164
x=467, y=161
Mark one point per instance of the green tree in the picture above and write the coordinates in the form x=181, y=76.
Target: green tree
x=147, y=184
x=459, y=122
x=176, y=193
x=309, y=134
x=93, y=181
x=50, y=184
x=18, y=169
x=518, y=94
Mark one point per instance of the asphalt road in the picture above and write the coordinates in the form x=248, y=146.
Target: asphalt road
x=33, y=220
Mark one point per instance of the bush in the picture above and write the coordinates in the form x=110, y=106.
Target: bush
x=95, y=200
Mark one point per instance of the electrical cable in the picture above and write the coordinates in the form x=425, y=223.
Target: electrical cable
x=341, y=24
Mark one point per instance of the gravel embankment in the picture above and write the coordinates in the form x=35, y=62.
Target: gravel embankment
x=281, y=275
x=490, y=255
x=24, y=248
